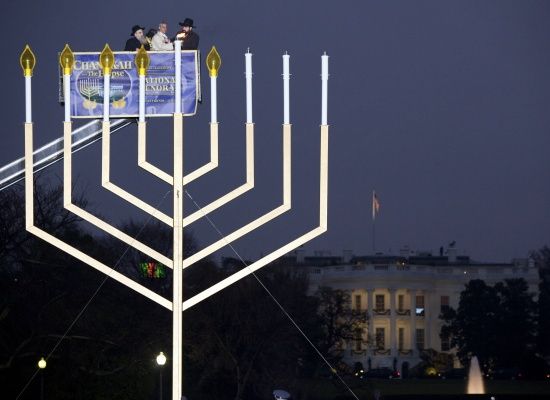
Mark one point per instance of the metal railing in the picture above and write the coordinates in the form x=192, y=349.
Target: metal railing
x=52, y=152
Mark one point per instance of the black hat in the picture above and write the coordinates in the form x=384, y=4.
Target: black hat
x=187, y=22
x=136, y=28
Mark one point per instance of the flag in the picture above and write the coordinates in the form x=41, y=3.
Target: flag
x=375, y=205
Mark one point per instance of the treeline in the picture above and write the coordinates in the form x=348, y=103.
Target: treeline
x=506, y=326
x=101, y=338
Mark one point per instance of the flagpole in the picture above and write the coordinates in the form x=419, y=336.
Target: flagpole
x=375, y=208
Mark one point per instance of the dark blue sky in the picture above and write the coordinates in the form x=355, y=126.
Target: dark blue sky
x=442, y=107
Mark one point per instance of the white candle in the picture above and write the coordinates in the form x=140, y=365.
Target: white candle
x=248, y=75
x=324, y=88
x=106, y=96
x=67, y=96
x=177, y=64
x=214, y=100
x=28, y=99
x=286, y=84
x=142, y=98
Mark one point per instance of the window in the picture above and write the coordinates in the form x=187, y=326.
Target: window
x=380, y=302
x=401, y=338
x=357, y=300
x=444, y=303
x=380, y=338
x=358, y=339
x=400, y=302
x=420, y=305
x=420, y=339
x=445, y=344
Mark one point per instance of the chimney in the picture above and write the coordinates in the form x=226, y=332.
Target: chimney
x=451, y=254
x=346, y=256
x=300, y=256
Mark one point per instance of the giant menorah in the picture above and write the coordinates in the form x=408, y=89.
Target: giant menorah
x=98, y=90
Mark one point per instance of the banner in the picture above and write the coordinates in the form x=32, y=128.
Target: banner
x=87, y=85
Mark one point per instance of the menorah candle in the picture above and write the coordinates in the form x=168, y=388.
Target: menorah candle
x=177, y=65
x=142, y=98
x=248, y=75
x=286, y=84
x=67, y=96
x=28, y=99
x=324, y=88
x=106, y=62
x=106, y=95
x=142, y=63
x=28, y=61
x=214, y=100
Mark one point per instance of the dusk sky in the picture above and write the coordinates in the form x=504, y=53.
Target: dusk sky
x=442, y=107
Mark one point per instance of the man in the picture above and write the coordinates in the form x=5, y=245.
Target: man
x=189, y=38
x=137, y=39
x=160, y=41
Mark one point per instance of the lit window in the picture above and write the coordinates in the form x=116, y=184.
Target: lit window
x=420, y=305
x=357, y=300
x=380, y=302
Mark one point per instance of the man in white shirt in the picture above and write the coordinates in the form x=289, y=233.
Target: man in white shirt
x=160, y=41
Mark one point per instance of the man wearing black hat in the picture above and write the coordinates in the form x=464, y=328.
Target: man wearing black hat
x=137, y=39
x=189, y=38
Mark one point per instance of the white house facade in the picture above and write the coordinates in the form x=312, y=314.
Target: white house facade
x=403, y=297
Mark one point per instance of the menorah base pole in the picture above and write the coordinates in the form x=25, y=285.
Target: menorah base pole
x=177, y=301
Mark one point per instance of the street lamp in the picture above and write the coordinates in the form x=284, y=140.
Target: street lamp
x=161, y=360
x=42, y=366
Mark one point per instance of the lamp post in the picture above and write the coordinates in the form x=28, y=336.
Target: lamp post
x=161, y=360
x=42, y=366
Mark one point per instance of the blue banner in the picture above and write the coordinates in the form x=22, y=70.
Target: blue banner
x=87, y=85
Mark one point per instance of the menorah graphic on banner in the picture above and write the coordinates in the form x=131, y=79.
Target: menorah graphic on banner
x=90, y=90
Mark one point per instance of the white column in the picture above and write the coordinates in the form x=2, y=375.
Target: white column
x=142, y=98
x=371, y=319
x=427, y=319
x=67, y=96
x=177, y=72
x=413, y=322
x=28, y=99
x=248, y=76
x=106, y=96
x=393, y=333
x=324, y=88
x=286, y=87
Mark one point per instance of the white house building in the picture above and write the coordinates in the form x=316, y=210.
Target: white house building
x=403, y=297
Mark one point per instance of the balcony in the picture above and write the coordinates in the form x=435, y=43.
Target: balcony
x=402, y=312
x=381, y=311
x=382, y=352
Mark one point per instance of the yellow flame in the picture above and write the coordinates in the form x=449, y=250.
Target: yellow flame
x=107, y=60
x=142, y=61
x=213, y=61
x=27, y=61
x=66, y=60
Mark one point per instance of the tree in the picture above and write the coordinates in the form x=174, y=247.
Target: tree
x=542, y=261
x=517, y=320
x=486, y=318
x=239, y=344
x=339, y=322
x=108, y=350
